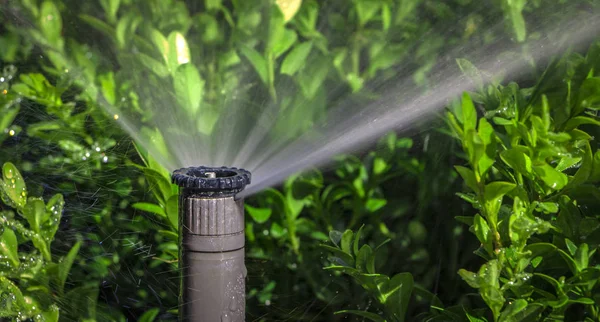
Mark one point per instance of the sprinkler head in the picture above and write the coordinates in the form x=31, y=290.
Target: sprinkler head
x=211, y=234
x=209, y=181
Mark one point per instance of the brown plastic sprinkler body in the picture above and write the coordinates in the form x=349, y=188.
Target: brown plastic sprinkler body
x=211, y=234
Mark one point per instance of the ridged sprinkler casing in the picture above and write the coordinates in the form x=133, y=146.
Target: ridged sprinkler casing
x=211, y=230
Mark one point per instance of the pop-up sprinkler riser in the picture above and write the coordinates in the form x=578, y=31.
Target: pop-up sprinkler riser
x=211, y=233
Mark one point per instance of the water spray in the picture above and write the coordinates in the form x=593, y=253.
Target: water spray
x=211, y=252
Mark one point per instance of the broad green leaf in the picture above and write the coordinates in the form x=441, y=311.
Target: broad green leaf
x=517, y=160
x=468, y=113
x=8, y=247
x=483, y=233
x=397, y=295
x=189, y=88
x=580, y=120
x=514, y=11
x=296, y=58
x=287, y=40
x=13, y=186
x=494, y=192
x=469, y=178
x=471, y=278
x=595, y=175
x=585, y=170
x=347, y=241
x=151, y=208
x=582, y=257
x=363, y=314
x=551, y=177
x=486, y=134
x=345, y=257
x=589, y=95
x=362, y=258
x=51, y=24
x=258, y=62
x=512, y=309
x=159, y=68
x=35, y=213
x=259, y=215
x=276, y=29
x=374, y=204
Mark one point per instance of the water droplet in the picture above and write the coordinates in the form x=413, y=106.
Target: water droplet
x=225, y=317
x=11, y=132
x=116, y=116
x=233, y=305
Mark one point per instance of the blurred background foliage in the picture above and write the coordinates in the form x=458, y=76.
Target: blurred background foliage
x=312, y=243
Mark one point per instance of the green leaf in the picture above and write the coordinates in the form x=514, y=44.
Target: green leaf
x=34, y=212
x=172, y=210
x=51, y=24
x=364, y=314
x=468, y=117
x=8, y=247
x=151, y=208
x=483, y=233
x=551, y=177
x=347, y=241
x=570, y=246
x=362, y=258
x=259, y=215
x=110, y=8
x=585, y=170
x=159, y=185
x=517, y=160
x=469, y=178
x=513, y=10
x=152, y=64
x=189, y=88
x=486, y=134
x=357, y=236
x=513, y=309
x=582, y=257
x=397, y=295
x=287, y=40
x=149, y=315
x=64, y=267
x=178, y=52
x=366, y=9
x=345, y=257
x=13, y=186
x=580, y=120
x=374, y=204
x=589, y=95
x=494, y=192
x=258, y=62
x=296, y=58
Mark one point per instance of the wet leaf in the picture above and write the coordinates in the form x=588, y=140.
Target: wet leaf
x=517, y=160
x=13, y=186
x=189, y=89
x=551, y=177
x=8, y=246
x=35, y=213
x=468, y=115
